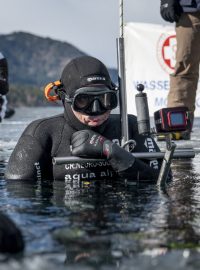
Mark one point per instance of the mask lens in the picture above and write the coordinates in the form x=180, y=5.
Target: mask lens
x=108, y=100
x=82, y=101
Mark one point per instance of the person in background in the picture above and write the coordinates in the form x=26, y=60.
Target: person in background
x=86, y=129
x=11, y=238
x=184, y=80
x=4, y=87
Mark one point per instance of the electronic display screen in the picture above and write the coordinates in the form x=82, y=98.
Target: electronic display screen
x=177, y=119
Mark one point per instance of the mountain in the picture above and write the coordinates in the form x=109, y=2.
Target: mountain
x=35, y=60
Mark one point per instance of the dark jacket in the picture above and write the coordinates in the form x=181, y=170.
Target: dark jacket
x=190, y=5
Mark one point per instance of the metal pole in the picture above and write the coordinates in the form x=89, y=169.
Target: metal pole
x=121, y=18
x=178, y=154
x=165, y=168
x=122, y=80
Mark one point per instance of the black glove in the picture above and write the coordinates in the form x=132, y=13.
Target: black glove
x=170, y=10
x=87, y=143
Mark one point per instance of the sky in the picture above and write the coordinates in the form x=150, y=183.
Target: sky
x=90, y=25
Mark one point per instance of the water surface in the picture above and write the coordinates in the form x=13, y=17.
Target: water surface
x=102, y=225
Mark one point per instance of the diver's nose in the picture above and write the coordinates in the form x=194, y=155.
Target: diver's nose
x=96, y=107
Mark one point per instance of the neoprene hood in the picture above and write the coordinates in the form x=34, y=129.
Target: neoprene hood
x=85, y=71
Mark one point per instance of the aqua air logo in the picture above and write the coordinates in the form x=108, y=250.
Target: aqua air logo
x=166, y=51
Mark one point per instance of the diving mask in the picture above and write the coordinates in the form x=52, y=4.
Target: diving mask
x=93, y=100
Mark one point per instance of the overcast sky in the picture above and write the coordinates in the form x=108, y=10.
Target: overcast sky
x=90, y=25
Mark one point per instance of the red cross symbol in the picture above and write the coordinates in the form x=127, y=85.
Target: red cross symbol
x=169, y=51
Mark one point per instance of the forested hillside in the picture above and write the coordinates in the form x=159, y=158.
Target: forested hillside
x=33, y=62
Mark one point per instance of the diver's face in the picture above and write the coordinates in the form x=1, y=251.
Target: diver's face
x=92, y=121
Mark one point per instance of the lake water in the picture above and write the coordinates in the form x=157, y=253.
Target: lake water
x=102, y=225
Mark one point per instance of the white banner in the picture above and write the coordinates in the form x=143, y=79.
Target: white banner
x=150, y=58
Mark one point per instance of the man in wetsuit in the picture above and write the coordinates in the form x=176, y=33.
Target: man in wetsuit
x=3, y=85
x=86, y=129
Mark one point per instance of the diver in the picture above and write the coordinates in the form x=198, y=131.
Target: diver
x=4, y=87
x=85, y=129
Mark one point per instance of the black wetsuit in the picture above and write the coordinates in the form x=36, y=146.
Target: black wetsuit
x=50, y=137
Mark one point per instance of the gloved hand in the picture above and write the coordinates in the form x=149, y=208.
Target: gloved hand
x=87, y=143
x=170, y=10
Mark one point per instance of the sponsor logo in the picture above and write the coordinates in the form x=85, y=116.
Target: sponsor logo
x=149, y=144
x=166, y=51
x=38, y=170
x=153, y=84
x=89, y=175
x=95, y=139
x=87, y=165
x=160, y=102
x=151, y=148
x=96, y=78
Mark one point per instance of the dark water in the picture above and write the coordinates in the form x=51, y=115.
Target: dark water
x=102, y=225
